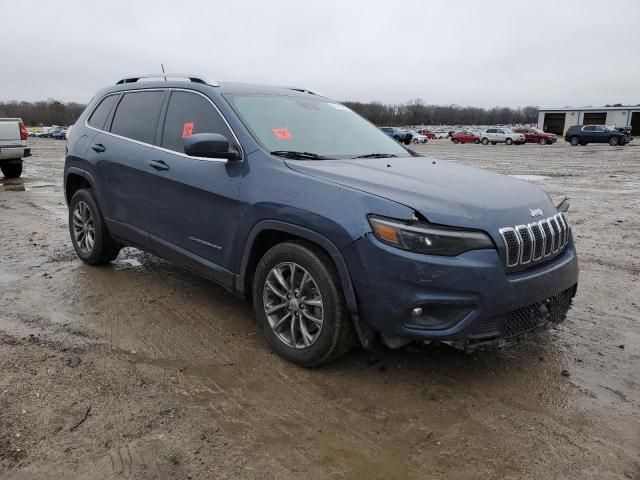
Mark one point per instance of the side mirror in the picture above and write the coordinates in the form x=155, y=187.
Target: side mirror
x=209, y=145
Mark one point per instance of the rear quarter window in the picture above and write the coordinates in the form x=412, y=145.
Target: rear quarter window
x=100, y=114
x=137, y=116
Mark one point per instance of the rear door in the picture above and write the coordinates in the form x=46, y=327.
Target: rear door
x=194, y=208
x=122, y=156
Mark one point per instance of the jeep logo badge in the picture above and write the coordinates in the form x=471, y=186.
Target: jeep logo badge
x=537, y=212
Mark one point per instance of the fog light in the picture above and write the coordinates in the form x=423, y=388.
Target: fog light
x=417, y=312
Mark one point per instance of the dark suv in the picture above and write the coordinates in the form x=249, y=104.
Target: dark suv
x=332, y=229
x=583, y=134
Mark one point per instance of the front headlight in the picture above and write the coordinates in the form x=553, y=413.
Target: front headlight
x=424, y=238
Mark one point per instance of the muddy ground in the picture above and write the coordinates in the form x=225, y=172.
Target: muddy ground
x=175, y=382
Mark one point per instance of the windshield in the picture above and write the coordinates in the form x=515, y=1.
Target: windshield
x=313, y=126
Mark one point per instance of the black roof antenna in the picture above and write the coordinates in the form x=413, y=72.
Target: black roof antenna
x=162, y=66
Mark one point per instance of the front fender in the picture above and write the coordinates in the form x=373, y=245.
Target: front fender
x=311, y=236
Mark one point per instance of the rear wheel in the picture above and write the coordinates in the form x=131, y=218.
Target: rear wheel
x=485, y=141
x=493, y=143
x=574, y=141
x=456, y=141
x=613, y=141
x=12, y=170
x=89, y=234
x=476, y=141
x=300, y=306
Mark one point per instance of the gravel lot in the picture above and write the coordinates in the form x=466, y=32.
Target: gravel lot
x=175, y=382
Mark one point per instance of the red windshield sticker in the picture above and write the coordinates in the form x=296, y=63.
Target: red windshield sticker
x=282, y=134
x=187, y=129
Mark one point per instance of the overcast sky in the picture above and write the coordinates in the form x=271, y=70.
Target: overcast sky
x=482, y=53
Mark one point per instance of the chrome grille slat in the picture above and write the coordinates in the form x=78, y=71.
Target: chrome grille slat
x=538, y=241
x=525, y=244
x=556, y=233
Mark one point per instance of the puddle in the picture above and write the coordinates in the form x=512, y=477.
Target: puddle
x=531, y=178
x=23, y=185
x=7, y=277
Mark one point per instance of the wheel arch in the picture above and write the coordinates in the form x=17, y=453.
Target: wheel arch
x=268, y=233
x=75, y=179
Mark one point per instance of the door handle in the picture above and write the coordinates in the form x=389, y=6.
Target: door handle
x=98, y=147
x=158, y=165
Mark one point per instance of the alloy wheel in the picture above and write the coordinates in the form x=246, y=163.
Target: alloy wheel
x=293, y=305
x=83, y=227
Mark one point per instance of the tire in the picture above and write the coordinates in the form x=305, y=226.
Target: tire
x=485, y=141
x=85, y=218
x=456, y=141
x=334, y=336
x=508, y=141
x=542, y=141
x=574, y=141
x=493, y=143
x=415, y=140
x=12, y=170
x=614, y=141
x=476, y=141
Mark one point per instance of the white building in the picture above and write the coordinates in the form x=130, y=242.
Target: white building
x=558, y=120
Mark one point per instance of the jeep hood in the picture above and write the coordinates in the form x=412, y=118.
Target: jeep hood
x=444, y=192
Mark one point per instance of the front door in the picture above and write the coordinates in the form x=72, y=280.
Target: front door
x=195, y=208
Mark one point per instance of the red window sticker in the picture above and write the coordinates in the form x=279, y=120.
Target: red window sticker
x=187, y=129
x=282, y=134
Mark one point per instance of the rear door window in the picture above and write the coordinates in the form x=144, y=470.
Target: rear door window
x=188, y=114
x=137, y=115
x=100, y=114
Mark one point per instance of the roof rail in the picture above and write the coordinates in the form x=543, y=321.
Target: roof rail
x=192, y=78
x=304, y=90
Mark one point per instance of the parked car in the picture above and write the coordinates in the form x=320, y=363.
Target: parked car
x=59, y=134
x=535, y=135
x=501, y=135
x=418, y=137
x=14, y=146
x=465, y=137
x=583, y=134
x=398, y=134
x=328, y=226
x=427, y=133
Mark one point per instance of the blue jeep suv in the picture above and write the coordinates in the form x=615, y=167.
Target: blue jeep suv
x=334, y=231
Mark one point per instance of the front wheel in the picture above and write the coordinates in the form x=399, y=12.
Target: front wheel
x=299, y=304
x=12, y=170
x=485, y=141
x=542, y=141
x=455, y=141
x=89, y=234
x=508, y=141
x=613, y=141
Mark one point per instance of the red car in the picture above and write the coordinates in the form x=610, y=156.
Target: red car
x=534, y=135
x=427, y=133
x=465, y=137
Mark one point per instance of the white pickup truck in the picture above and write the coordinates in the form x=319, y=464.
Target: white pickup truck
x=13, y=146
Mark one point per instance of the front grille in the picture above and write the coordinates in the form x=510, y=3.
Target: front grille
x=525, y=244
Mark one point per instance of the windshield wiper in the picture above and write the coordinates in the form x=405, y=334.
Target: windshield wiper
x=298, y=155
x=376, y=155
